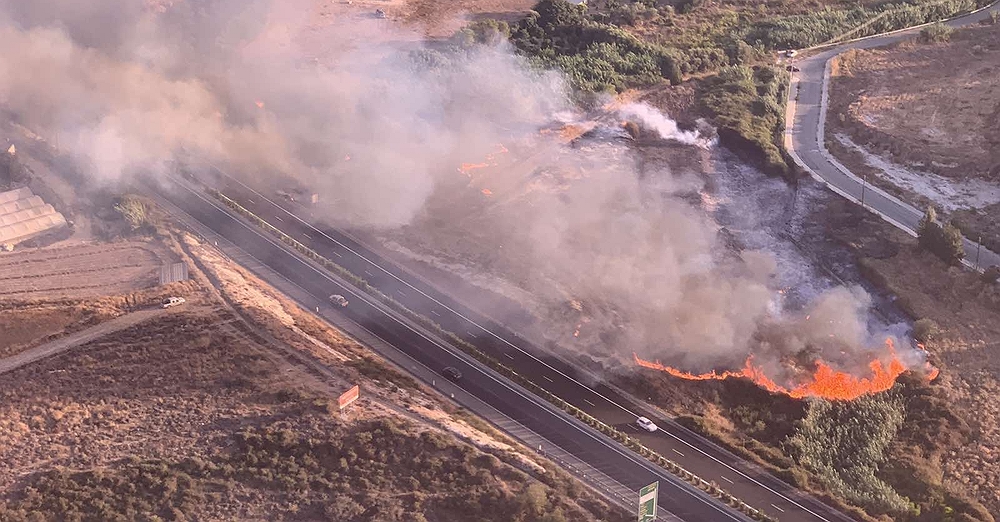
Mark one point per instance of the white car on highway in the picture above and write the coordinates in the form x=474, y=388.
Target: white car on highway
x=646, y=424
x=338, y=299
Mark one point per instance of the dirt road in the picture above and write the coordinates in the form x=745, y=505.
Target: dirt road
x=71, y=341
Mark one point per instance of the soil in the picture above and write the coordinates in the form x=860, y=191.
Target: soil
x=928, y=113
x=234, y=357
x=81, y=271
x=929, y=106
x=965, y=345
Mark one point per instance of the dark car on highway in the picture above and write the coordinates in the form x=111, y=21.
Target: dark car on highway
x=452, y=373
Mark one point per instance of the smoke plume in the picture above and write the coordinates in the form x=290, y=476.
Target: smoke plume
x=376, y=122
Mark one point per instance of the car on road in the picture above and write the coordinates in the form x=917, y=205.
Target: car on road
x=452, y=373
x=172, y=301
x=791, y=53
x=338, y=299
x=646, y=424
x=286, y=195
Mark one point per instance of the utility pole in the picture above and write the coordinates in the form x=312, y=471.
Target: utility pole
x=864, y=184
x=979, y=246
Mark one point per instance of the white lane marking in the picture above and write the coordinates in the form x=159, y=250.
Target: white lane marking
x=677, y=452
x=547, y=379
x=726, y=479
x=401, y=293
x=307, y=235
x=369, y=273
x=336, y=254
x=628, y=455
x=279, y=218
x=435, y=313
x=590, y=403
x=472, y=334
x=509, y=356
x=508, y=343
x=778, y=508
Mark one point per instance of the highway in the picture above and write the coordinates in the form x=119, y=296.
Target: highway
x=688, y=449
x=804, y=135
x=681, y=500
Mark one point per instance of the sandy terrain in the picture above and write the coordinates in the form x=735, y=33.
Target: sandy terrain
x=928, y=106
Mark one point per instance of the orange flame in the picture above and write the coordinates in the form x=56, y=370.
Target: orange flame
x=825, y=382
x=487, y=192
x=491, y=161
x=468, y=167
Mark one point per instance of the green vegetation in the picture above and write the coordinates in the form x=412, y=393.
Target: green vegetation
x=936, y=33
x=597, y=57
x=134, y=211
x=748, y=106
x=376, y=470
x=943, y=241
x=845, y=442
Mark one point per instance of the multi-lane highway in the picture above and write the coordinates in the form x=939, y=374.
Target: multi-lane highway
x=682, y=501
x=805, y=134
x=702, y=457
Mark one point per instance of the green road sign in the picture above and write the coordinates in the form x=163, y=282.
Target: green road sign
x=647, y=502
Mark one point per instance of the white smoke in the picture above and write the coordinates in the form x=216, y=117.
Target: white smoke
x=667, y=128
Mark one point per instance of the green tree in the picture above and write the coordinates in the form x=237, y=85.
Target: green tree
x=945, y=242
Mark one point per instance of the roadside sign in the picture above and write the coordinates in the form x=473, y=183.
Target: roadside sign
x=647, y=502
x=348, y=397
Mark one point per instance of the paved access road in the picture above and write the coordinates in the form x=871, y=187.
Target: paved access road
x=804, y=135
x=697, y=454
x=681, y=500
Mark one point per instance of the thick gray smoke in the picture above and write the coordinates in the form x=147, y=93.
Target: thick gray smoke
x=126, y=85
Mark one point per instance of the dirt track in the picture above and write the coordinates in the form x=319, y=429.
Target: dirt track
x=79, y=271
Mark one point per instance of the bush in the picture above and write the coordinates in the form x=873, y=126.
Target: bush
x=936, y=33
x=992, y=274
x=944, y=242
x=845, y=442
x=133, y=210
x=925, y=330
x=747, y=105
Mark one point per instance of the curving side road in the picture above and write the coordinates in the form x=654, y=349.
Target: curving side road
x=805, y=121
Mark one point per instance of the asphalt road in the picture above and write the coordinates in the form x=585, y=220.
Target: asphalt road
x=807, y=135
x=683, y=501
x=695, y=453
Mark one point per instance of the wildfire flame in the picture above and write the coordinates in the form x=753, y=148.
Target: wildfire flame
x=825, y=382
x=487, y=192
x=491, y=161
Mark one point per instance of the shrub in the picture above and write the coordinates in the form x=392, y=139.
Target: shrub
x=936, y=33
x=992, y=274
x=845, y=442
x=133, y=210
x=944, y=242
x=925, y=330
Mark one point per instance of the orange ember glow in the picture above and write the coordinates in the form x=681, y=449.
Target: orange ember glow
x=491, y=161
x=487, y=192
x=260, y=105
x=825, y=382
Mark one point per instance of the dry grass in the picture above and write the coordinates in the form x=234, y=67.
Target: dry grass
x=168, y=404
x=926, y=105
